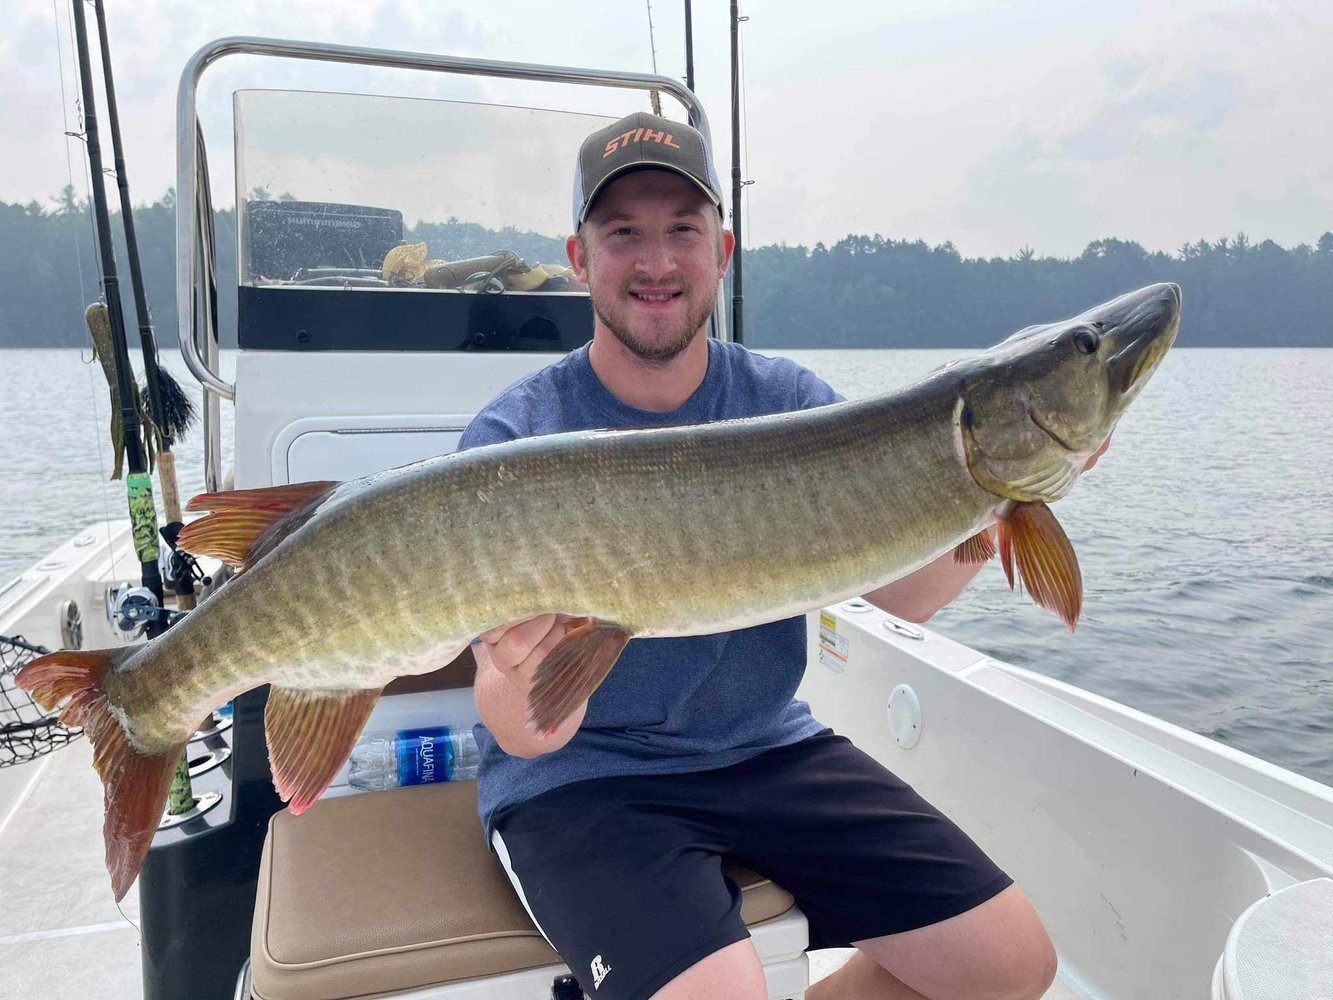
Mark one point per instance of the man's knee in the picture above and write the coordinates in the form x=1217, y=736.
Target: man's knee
x=1030, y=972
x=996, y=951
x=730, y=973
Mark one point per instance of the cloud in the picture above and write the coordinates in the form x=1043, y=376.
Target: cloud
x=1051, y=123
x=1193, y=129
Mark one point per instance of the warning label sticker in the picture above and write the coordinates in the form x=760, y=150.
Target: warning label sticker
x=833, y=646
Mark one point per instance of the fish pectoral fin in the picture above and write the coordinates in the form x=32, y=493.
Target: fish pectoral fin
x=245, y=524
x=978, y=549
x=572, y=670
x=310, y=734
x=1032, y=541
x=134, y=783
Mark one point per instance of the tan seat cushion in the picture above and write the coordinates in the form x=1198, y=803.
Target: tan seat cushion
x=393, y=891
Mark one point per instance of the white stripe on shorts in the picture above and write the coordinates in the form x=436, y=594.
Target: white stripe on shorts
x=502, y=853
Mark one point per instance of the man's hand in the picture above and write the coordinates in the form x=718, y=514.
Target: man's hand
x=516, y=649
x=1092, y=460
x=507, y=657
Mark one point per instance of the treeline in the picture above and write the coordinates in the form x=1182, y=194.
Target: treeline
x=868, y=291
x=864, y=291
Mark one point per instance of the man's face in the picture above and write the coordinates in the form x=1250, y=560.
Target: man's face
x=652, y=252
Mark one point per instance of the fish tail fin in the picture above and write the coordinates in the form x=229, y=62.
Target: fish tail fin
x=135, y=783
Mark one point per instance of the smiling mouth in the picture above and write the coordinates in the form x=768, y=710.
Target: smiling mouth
x=655, y=296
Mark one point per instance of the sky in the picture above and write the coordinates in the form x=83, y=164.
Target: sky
x=1045, y=124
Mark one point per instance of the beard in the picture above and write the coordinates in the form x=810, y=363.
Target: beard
x=665, y=345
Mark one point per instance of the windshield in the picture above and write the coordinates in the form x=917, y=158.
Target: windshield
x=359, y=191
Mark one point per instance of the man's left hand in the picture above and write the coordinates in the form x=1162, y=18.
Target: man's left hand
x=1097, y=454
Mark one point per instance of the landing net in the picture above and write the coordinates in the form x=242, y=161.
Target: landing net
x=26, y=732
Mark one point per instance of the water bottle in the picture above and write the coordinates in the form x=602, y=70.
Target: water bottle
x=413, y=757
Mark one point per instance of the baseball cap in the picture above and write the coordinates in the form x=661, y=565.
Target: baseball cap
x=637, y=142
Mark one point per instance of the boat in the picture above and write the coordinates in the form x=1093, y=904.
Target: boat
x=1165, y=865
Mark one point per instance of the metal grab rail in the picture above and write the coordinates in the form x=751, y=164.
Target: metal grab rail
x=190, y=194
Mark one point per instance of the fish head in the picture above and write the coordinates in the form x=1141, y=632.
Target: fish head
x=1033, y=409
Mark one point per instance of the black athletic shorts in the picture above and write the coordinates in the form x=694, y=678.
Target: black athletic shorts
x=623, y=875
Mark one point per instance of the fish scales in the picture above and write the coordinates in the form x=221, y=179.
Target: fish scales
x=670, y=533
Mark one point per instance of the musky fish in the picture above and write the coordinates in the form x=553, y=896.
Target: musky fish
x=659, y=532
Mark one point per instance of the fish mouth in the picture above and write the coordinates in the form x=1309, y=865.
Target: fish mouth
x=1048, y=432
x=1142, y=326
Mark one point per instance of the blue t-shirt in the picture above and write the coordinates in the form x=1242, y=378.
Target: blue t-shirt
x=690, y=703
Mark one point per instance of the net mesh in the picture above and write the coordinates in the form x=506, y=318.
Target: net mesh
x=26, y=732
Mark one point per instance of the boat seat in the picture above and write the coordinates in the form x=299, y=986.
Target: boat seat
x=1279, y=948
x=393, y=892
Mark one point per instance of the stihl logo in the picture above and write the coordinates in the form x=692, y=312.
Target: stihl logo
x=638, y=135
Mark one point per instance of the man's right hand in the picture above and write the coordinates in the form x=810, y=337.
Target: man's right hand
x=516, y=649
x=507, y=657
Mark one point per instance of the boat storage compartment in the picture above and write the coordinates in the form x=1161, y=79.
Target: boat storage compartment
x=1281, y=948
x=396, y=893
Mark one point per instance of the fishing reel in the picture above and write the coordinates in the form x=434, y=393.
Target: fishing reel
x=129, y=609
x=180, y=570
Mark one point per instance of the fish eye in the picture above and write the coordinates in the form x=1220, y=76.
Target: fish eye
x=1085, y=340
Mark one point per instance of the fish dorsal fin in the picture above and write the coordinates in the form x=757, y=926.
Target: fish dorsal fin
x=975, y=550
x=572, y=670
x=1032, y=541
x=245, y=524
x=310, y=734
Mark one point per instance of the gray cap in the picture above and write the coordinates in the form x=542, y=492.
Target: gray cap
x=641, y=141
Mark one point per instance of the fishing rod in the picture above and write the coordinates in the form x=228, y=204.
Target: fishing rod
x=689, y=47
x=138, y=483
x=737, y=296
x=168, y=405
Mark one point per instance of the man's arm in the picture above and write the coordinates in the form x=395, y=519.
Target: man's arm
x=918, y=595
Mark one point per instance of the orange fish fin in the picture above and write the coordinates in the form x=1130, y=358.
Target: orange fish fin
x=134, y=783
x=246, y=524
x=978, y=549
x=1032, y=541
x=572, y=670
x=286, y=498
x=310, y=733
x=1006, y=546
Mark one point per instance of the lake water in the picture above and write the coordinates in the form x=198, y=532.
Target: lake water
x=1205, y=535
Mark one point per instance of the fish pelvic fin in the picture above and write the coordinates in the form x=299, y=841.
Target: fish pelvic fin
x=310, y=734
x=134, y=783
x=976, y=550
x=572, y=670
x=244, y=525
x=1033, y=544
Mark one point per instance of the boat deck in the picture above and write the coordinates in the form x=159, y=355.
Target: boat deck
x=60, y=932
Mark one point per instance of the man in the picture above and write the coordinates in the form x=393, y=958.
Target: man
x=611, y=826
